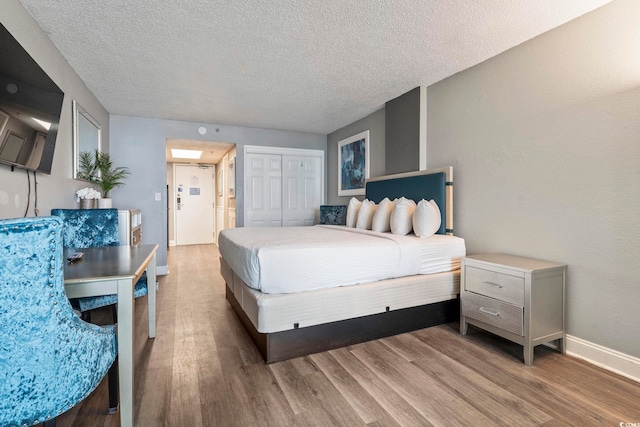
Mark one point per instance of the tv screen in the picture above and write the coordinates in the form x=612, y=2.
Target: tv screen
x=30, y=107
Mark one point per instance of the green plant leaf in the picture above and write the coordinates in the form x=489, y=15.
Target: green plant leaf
x=98, y=169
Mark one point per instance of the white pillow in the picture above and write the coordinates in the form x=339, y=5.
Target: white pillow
x=402, y=216
x=382, y=216
x=365, y=215
x=352, y=212
x=426, y=218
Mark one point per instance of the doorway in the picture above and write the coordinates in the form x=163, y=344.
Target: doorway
x=216, y=156
x=194, y=204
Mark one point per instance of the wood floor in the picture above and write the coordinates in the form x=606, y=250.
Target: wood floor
x=203, y=370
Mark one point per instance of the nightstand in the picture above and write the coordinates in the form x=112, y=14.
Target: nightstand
x=520, y=299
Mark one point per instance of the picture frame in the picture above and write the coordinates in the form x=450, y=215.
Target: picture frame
x=353, y=164
x=219, y=180
x=232, y=178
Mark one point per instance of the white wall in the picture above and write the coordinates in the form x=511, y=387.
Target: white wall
x=140, y=144
x=545, y=142
x=58, y=189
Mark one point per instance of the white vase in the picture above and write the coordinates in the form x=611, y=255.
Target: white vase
x=105, y=203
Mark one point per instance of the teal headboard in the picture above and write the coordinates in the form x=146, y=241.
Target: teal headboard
x=436, y=184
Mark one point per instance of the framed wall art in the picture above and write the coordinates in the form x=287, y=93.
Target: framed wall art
x=353, y=164
x=232, y=177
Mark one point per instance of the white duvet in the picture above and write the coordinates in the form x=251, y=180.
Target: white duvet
x=293, y=259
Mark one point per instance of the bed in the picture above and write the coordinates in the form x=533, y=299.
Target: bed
x=297, y=292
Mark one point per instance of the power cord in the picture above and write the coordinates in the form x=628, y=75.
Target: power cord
x=26, y=211
x=35, y=194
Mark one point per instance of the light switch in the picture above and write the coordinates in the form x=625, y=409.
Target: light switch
x=158, y=197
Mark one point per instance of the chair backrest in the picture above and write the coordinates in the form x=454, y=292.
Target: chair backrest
x=41, y=340
x=89, y=228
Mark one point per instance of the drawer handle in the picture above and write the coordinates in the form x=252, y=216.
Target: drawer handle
x=486, y=310
x=495, y=285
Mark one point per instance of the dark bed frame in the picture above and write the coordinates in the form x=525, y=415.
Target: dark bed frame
x=278, y=346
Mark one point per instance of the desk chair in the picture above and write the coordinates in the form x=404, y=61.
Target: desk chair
x=50, y=360
x=90, y=228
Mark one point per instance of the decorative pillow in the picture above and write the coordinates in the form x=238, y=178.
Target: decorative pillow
x=333, y=214
x=382, y=216
x=365, y=214
x=426, y=218
x=352, y=212
x=401, y=221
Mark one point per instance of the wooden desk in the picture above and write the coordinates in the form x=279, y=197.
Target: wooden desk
x=115, y=270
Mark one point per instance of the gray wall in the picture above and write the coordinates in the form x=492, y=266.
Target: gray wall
x=545, y=142
x=375, y=123
x=58, y=189
x=402, y=130
x=140, y=144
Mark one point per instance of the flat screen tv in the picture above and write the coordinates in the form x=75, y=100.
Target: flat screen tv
x=30, y=107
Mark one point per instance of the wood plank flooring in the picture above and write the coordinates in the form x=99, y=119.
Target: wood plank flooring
x=203, y=370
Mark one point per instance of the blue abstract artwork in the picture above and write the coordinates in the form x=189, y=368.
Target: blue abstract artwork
x=353, y=159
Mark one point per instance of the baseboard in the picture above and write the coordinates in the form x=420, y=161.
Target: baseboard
x=606, y=358
x=172, y=242
x=162, y=270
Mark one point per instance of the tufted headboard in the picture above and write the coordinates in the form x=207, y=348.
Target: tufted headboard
x=436, y=184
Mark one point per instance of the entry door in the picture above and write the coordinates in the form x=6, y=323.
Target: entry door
x=263, y=199
x=302, y=189
x=194, y=204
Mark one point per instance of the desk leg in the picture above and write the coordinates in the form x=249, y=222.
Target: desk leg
x=126, y=326
x=151, y=285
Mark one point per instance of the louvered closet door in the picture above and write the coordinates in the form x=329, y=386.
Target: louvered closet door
x=263, y=198
x=302, y=189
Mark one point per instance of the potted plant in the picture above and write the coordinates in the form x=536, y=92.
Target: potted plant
x=98, y=169
x=87, y=197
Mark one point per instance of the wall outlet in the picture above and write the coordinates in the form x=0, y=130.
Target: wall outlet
x=158, y=197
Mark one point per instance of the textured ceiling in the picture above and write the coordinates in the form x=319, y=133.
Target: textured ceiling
x=312, y=66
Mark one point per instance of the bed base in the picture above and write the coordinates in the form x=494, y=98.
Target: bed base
x=279, y=346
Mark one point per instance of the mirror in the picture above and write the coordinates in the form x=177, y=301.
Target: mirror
x=87, y=135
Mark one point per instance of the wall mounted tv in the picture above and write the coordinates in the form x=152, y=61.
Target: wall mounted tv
x=30, y=107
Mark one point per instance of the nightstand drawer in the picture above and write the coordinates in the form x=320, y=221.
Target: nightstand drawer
x=496, y=313
x=496, y=285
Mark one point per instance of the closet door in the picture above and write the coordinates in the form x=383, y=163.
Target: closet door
x=301, y=189
x=263, y=197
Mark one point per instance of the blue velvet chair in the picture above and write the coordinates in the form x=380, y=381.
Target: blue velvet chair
x=90, y=228
x=50, y=359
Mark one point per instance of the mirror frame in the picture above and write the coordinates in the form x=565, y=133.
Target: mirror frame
x=78, y=114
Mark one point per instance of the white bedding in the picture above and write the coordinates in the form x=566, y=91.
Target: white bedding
x=271, y=313
x=294, y=259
